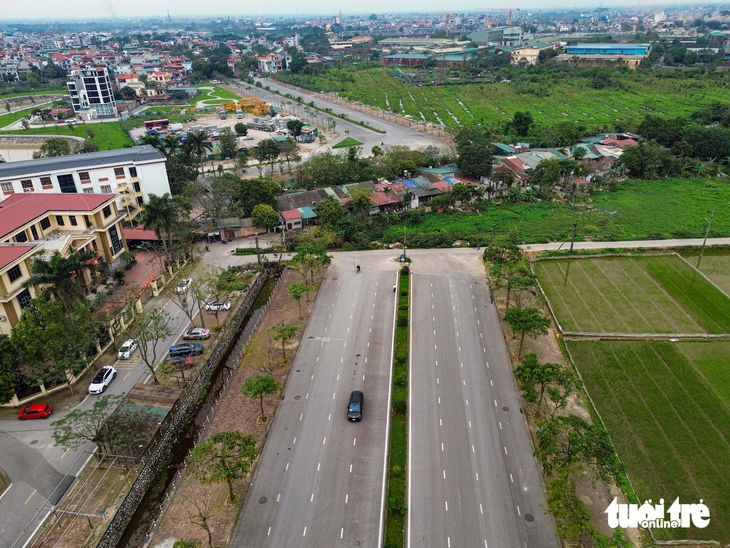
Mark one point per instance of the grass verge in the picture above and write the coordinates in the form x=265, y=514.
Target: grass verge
x=397, y=473
x=108, y=135
x=348, y=142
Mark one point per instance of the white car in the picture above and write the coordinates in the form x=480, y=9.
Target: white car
x=217, y=306
x=127, y=349
x=184, y=285
x=102, y=380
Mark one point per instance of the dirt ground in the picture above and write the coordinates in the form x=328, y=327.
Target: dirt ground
x=234, y=412
x=596, y=496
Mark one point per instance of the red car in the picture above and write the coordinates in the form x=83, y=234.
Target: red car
x=35, y=411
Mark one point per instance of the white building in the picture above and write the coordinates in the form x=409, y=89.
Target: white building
x=91, y=93
x=131, y=173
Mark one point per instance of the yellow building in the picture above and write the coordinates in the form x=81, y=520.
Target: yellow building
x=41, y=224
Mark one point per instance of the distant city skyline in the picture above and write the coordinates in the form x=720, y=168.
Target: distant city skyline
x=45, y=10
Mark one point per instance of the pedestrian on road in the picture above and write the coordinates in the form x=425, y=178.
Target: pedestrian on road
x=395, y=287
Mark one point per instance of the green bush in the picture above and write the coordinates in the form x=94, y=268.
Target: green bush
x=403, y=307
x=401, y=379
x=400, y=407
x=401, y=357
x=403, y=321
x=405, y=270
x=396, y=470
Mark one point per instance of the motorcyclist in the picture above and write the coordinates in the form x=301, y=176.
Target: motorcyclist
x=358, y=268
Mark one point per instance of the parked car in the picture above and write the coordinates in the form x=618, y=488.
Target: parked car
x=35, y=411
x=185, y=349
x=102, y=380
x=127, y=349
x=184, y=285
x=355, y=405
x=179, y=362
x=196, y=334
x=217, y=306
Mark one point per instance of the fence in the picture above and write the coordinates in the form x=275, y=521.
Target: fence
x=178, y=417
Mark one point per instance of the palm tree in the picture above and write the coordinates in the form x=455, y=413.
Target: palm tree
x=160, y=215
x=171, y=145
x=154, y=140
x=196, y=146
x=59, y=276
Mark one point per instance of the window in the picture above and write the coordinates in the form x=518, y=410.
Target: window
x=46, y=183
x=21, y=237
x=72, y=220
x=14, y=273
x=132, y=171
x=27, y=185
x=106, y=189
x=67, y=184
x=24, y=299
x=87, y=219
x=59, y=220
x=45, y=223
x=137, y=188
x=84, y=176
x=116, y=242
x=119, y=172
x=34, y=232
x=6, y=187
x=88, y=191
x=140, y=200
x=107, y=211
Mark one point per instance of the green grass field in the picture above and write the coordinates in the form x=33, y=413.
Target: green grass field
x=668, y=409
x=347, y=142
x=108, y=135
x=715, y=265
x=650, y=294
x=554, y=98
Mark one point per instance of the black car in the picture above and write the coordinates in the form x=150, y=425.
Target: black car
x=354, y=408
x=185, y=349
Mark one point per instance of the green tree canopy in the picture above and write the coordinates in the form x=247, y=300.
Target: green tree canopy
x=535, y=379
x=329, y=211
x=474, y=152
x=224, y=457
x=527, y=321
x=54, y=146
x=265, y=216
x=259, y=386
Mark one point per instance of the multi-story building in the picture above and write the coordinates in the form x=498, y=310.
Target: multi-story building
x=130, y=173
x=91, y=93
x=37, y=225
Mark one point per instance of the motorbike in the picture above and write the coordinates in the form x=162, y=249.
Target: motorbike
x=358, y=269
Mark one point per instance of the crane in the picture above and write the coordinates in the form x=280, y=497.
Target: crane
x=509, y=17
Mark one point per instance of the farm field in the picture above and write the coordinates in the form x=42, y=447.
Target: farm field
x=667, y=407
x=715, y=265
x=550, y=101
x=639, y=294
x=670, y=208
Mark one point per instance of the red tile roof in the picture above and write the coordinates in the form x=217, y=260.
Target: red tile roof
x=291, y=214
x=443, y=186
x=10, y=253
x=140, y=234
x=382, y=198
x=20, y=209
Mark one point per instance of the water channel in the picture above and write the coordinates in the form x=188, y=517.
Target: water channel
x=149, y=508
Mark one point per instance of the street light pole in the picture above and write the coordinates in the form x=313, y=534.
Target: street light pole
x=405, y=247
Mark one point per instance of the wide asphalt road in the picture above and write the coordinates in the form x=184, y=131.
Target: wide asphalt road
x=473, y=480
x=321, y=481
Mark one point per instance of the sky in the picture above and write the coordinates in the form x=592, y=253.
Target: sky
x=110, y=9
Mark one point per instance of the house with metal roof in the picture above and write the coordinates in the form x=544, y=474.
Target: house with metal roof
x=130, y=173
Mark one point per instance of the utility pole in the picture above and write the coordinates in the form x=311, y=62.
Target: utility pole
x=258, y=251
x=404, y=244
x=572, y=238
x=704, y=242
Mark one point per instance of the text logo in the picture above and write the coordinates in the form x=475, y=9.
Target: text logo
x=656, y=517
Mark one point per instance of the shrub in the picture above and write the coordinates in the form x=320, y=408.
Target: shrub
x=401, y=357
x=403, y=321
x=401, y=379
x=400, y=407
x=396, y=470
x=403, y=307
x=405, y=270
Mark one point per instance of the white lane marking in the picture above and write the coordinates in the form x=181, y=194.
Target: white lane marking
x=440, y=423
x=267, y=534
x=491, y=383
x=472, y=449
x=318, y=465
x=505, y=449
x=330, y=417
x=307, y=396
x=487, y=365
x=347, y=496
x=444, y=474
x=469, y=424
x=333, y=395
x=461, y=363
x=463, y=382
x=311, y=498
x=287, y=467
x=439, y=400
x=278, y=497
x=495, y=403
x=481, y=336
x=518, y=511
x=324, y=441
x=363, y=377
x=442, y=446
x=448, y=542
x=434, y=332
x=437, y=380
x=435, y=347
x=500, y=425
x=301, y=416
x=433, y=318
x=511, y=478
x=295, y=441
x=311, y=378
x=317, y=358
x=342, y=532
x=354, y=441
x=305, y=532
x=338, y=377
x=437, y=363
x=485, y=543
x=481, y=510
x=446, y=503
x=351, y=469
x=477, y=474
x=467, y=402
x=485, y=351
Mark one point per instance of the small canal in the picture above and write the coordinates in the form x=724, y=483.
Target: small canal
x=149, y=509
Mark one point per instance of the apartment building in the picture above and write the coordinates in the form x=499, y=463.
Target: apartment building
x=39, y=225
x=91, y=93
x=130, y=173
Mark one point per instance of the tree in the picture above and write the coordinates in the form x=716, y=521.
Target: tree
x=227, y=142
x=566, y=442
x=329, y=211
x=295, y=126
x=127, y=93
x=310, y=256
x=204, y=510
x=502, y=251
x=148, y=329
x=55, y=146
x=361, y=200
x=265, y=216
x=545, y=175
x=225, y=457
x=241, y=129
x=59, y=276
x=79, y=427
x=89, y=145
x=283, y=333
x=258, y=387
x=289, y=149
x=521, y=123
x=267, y=152
x=535, y=379
x=8, y=368
x=474, y=152
x=253, y=192
x=512, y=276
x=526, y=321
x=164, y=214
x=197, y=146
x=296, y=291
x=179, y=173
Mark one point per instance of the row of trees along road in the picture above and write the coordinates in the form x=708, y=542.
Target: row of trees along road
x=567, y=445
